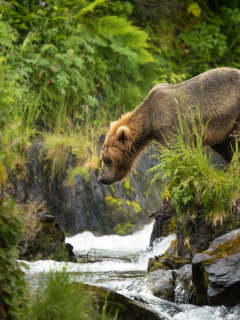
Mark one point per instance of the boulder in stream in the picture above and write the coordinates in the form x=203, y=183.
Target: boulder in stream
x=160, y=283
x=117, y=303
x=216, y=272
x=166, y=263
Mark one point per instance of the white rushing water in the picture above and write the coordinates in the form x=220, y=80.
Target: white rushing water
x=116, y=249
x=123, y=268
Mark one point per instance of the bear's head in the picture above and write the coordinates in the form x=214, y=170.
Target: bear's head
x=118, y=153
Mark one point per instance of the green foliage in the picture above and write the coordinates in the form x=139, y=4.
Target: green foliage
x=12, y=284
x=193, y=182
x=87, y=62
x=61, y=299
x=60, y=49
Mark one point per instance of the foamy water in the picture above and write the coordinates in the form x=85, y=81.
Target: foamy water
x=113, y=247
x=131, y=243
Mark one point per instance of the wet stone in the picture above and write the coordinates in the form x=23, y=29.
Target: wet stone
x=216, y=272
x=160, y=283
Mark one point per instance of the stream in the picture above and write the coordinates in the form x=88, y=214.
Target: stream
x=123, y=268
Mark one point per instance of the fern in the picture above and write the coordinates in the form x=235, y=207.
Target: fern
x=89, y=8
x=112, y=25
x=143, y=56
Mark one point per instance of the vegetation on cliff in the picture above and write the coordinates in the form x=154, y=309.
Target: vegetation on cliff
x=193, y=182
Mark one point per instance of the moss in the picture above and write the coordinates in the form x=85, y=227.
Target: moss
x=112, y=202
x=168, y=263
x=127, y=186
x=136, y=207
x=172, y=225
x=159, y=265
x=147, y=193
x=113, y=191
x=223, y=250
x=123, y=229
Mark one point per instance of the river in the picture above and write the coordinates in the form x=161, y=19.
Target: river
x=123, y=267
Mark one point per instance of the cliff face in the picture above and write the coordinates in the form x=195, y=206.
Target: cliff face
x=121, y=208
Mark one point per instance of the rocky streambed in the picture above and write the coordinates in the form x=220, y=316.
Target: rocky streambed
x=123, y=268
x=180, y=278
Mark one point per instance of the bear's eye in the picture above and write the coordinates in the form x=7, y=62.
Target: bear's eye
x=107, y=161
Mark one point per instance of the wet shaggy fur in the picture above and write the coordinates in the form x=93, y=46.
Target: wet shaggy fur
x=215, y=92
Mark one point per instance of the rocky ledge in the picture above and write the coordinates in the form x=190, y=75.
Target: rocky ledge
x=119, y=304
x=212, y=279
x=47, y=242
x=216, y=272
x=165, y=274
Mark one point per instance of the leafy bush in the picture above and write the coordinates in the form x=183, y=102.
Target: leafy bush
x=69, y=51
x=193, y=182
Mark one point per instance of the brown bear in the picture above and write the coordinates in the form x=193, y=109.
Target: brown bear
x=215, y=92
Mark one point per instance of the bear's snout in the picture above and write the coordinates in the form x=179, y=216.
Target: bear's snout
x=105, y=181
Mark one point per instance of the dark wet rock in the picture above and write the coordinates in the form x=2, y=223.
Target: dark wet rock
x=183, y=284
x=200, y=238
x=201, y=234
x=164, y=221
x=166, y=263
x=86, y=205
x=47, y=243
x=126, y=308
x=216, y=272
x=160, y=283
x=183, y=273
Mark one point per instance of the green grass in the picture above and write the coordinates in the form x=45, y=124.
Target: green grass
x=57, y=147
x=58, y=298
x=193, y=182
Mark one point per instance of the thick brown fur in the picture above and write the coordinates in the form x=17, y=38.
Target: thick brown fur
x=217, y=95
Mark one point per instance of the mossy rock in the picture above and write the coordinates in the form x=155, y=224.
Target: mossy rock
x=166, y=263
x=113, y=203
x=137, y=208
x=128, y=189
x=123, y=229
x=47, y=243
x=115, y=303
x=216, y=272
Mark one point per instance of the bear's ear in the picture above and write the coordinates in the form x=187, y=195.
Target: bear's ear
x=112, y=124
x=123, y=133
